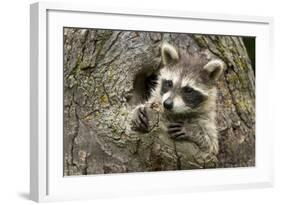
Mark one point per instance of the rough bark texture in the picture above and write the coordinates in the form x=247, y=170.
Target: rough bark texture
x=104, y=78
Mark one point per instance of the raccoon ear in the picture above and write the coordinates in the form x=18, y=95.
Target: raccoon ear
x=169, y=54
x=214, y=69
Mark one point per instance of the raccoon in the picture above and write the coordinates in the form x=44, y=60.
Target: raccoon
x=186, y=90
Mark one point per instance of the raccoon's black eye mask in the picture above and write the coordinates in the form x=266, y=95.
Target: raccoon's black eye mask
x=166, y=86
x=192, y=97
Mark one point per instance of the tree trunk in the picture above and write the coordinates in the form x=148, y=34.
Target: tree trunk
x=105, y=75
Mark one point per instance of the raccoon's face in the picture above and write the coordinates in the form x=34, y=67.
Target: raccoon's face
x=186, y=82
x=179, y=95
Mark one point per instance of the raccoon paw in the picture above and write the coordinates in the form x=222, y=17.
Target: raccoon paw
x=177, y=131
x=140, y=121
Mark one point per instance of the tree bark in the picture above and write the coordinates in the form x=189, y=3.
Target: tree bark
x=105, y=75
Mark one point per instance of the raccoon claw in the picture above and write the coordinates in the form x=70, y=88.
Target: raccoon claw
x=141, y=123
x=177, y=131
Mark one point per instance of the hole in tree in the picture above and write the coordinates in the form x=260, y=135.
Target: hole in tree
x=145, y=81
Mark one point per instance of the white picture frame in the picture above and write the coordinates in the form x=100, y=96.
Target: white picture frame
x=46, y=177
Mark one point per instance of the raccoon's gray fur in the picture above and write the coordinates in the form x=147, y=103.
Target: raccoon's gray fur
x=186, y=90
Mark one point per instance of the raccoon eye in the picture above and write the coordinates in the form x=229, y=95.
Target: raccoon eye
x=188, y=90
x=169, y=83
x=166, y=86
x=191, y=97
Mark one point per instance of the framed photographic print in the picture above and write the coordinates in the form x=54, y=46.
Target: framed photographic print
x=127, y=102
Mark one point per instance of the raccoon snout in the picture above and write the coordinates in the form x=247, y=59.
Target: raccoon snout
x=168, y=104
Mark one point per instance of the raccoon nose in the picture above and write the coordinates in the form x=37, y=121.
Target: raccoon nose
x=168, y=104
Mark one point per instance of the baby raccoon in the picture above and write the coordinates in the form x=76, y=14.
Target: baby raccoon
x=186, y=90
